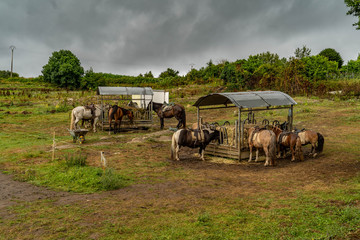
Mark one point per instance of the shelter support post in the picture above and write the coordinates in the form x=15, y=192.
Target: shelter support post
x=241, y=134
x=198, y=117
x=291, y=115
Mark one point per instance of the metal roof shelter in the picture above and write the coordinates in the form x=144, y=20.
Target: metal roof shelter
x=245, y=102
x=124, y=91
x=247, y=99
x=123, y=96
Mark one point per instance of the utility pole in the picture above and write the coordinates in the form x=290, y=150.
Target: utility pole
x=12, y=47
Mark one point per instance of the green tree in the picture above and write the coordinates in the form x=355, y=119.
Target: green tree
x=63, y=69
x=302, y=52
x=149, y=75
x=354, y=6
x=169, y=73
x=332, y=55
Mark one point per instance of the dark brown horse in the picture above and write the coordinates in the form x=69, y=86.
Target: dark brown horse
x=117, y=113
x=288, y=140
x=177, y=111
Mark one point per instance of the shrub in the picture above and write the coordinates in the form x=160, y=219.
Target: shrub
x=111, y=181
x=72, y=160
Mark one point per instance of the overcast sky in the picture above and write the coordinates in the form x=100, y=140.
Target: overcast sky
x=130, y=37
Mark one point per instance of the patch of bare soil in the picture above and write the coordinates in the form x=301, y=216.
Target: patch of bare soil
x=12, y=192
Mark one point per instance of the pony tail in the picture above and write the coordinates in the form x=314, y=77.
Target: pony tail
x=173, y=146
x=321, y=141
x=272, y=148
x=72, y=120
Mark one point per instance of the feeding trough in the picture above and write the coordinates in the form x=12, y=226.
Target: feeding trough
x=234, y=145
x=78, y=134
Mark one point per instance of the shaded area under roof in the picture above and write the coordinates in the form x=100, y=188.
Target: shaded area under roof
x=125, y=91
x=246, y=99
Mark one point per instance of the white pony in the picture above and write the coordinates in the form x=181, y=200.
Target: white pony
x=82, y=113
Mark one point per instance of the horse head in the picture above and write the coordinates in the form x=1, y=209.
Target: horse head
x=130, y=115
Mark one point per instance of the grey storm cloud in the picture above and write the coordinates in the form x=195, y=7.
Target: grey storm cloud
x=137, y=36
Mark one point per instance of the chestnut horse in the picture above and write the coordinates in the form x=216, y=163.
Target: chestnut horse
x=117, y=114
x=314, y=138
x=265, y=139
x=177, y=111
x=288, y=140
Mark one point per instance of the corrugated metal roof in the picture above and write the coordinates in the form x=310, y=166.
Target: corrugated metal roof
x=246, y=99
x=125, y=91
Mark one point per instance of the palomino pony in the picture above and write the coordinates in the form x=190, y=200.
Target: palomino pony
x=265, y=139
x=177, y=111
x=186, y=138
x=117, y=113
x=314, y=138
x=84, y=113
x=288, y=140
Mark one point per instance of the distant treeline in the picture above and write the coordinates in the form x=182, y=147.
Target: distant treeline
x=303, y=74
x=308, y=75
x=6, y=74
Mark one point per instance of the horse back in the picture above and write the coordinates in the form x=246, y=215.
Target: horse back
x=308, y=136
x=185, y=137
x=263, y=137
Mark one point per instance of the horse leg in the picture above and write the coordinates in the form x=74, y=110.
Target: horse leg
x=161, y=123
x=115, y=125
x=313, y=149
x=267, y=162
x=177, y=153
x=292, y=148
x=257, y=155
x=250, y=156
x=94, y=121
x=279, y=151
x=179, y=124
x=202, y=153
x=75, y=123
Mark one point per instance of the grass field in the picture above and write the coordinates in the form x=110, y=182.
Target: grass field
x=145, y=195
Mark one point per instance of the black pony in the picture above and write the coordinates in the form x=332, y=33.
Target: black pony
x=177, y=111
x=192, y=139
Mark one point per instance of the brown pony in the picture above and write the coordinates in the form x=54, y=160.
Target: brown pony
x=288, y=140
x=265, y=139
x=177, y=111
x=314, y=138
x=117, y=114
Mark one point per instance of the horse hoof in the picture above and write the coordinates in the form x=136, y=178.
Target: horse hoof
x=315, y=155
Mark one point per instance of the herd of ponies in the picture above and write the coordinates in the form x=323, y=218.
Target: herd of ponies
x=273, y=140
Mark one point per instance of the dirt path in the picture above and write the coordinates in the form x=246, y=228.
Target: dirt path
x=12, y=191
